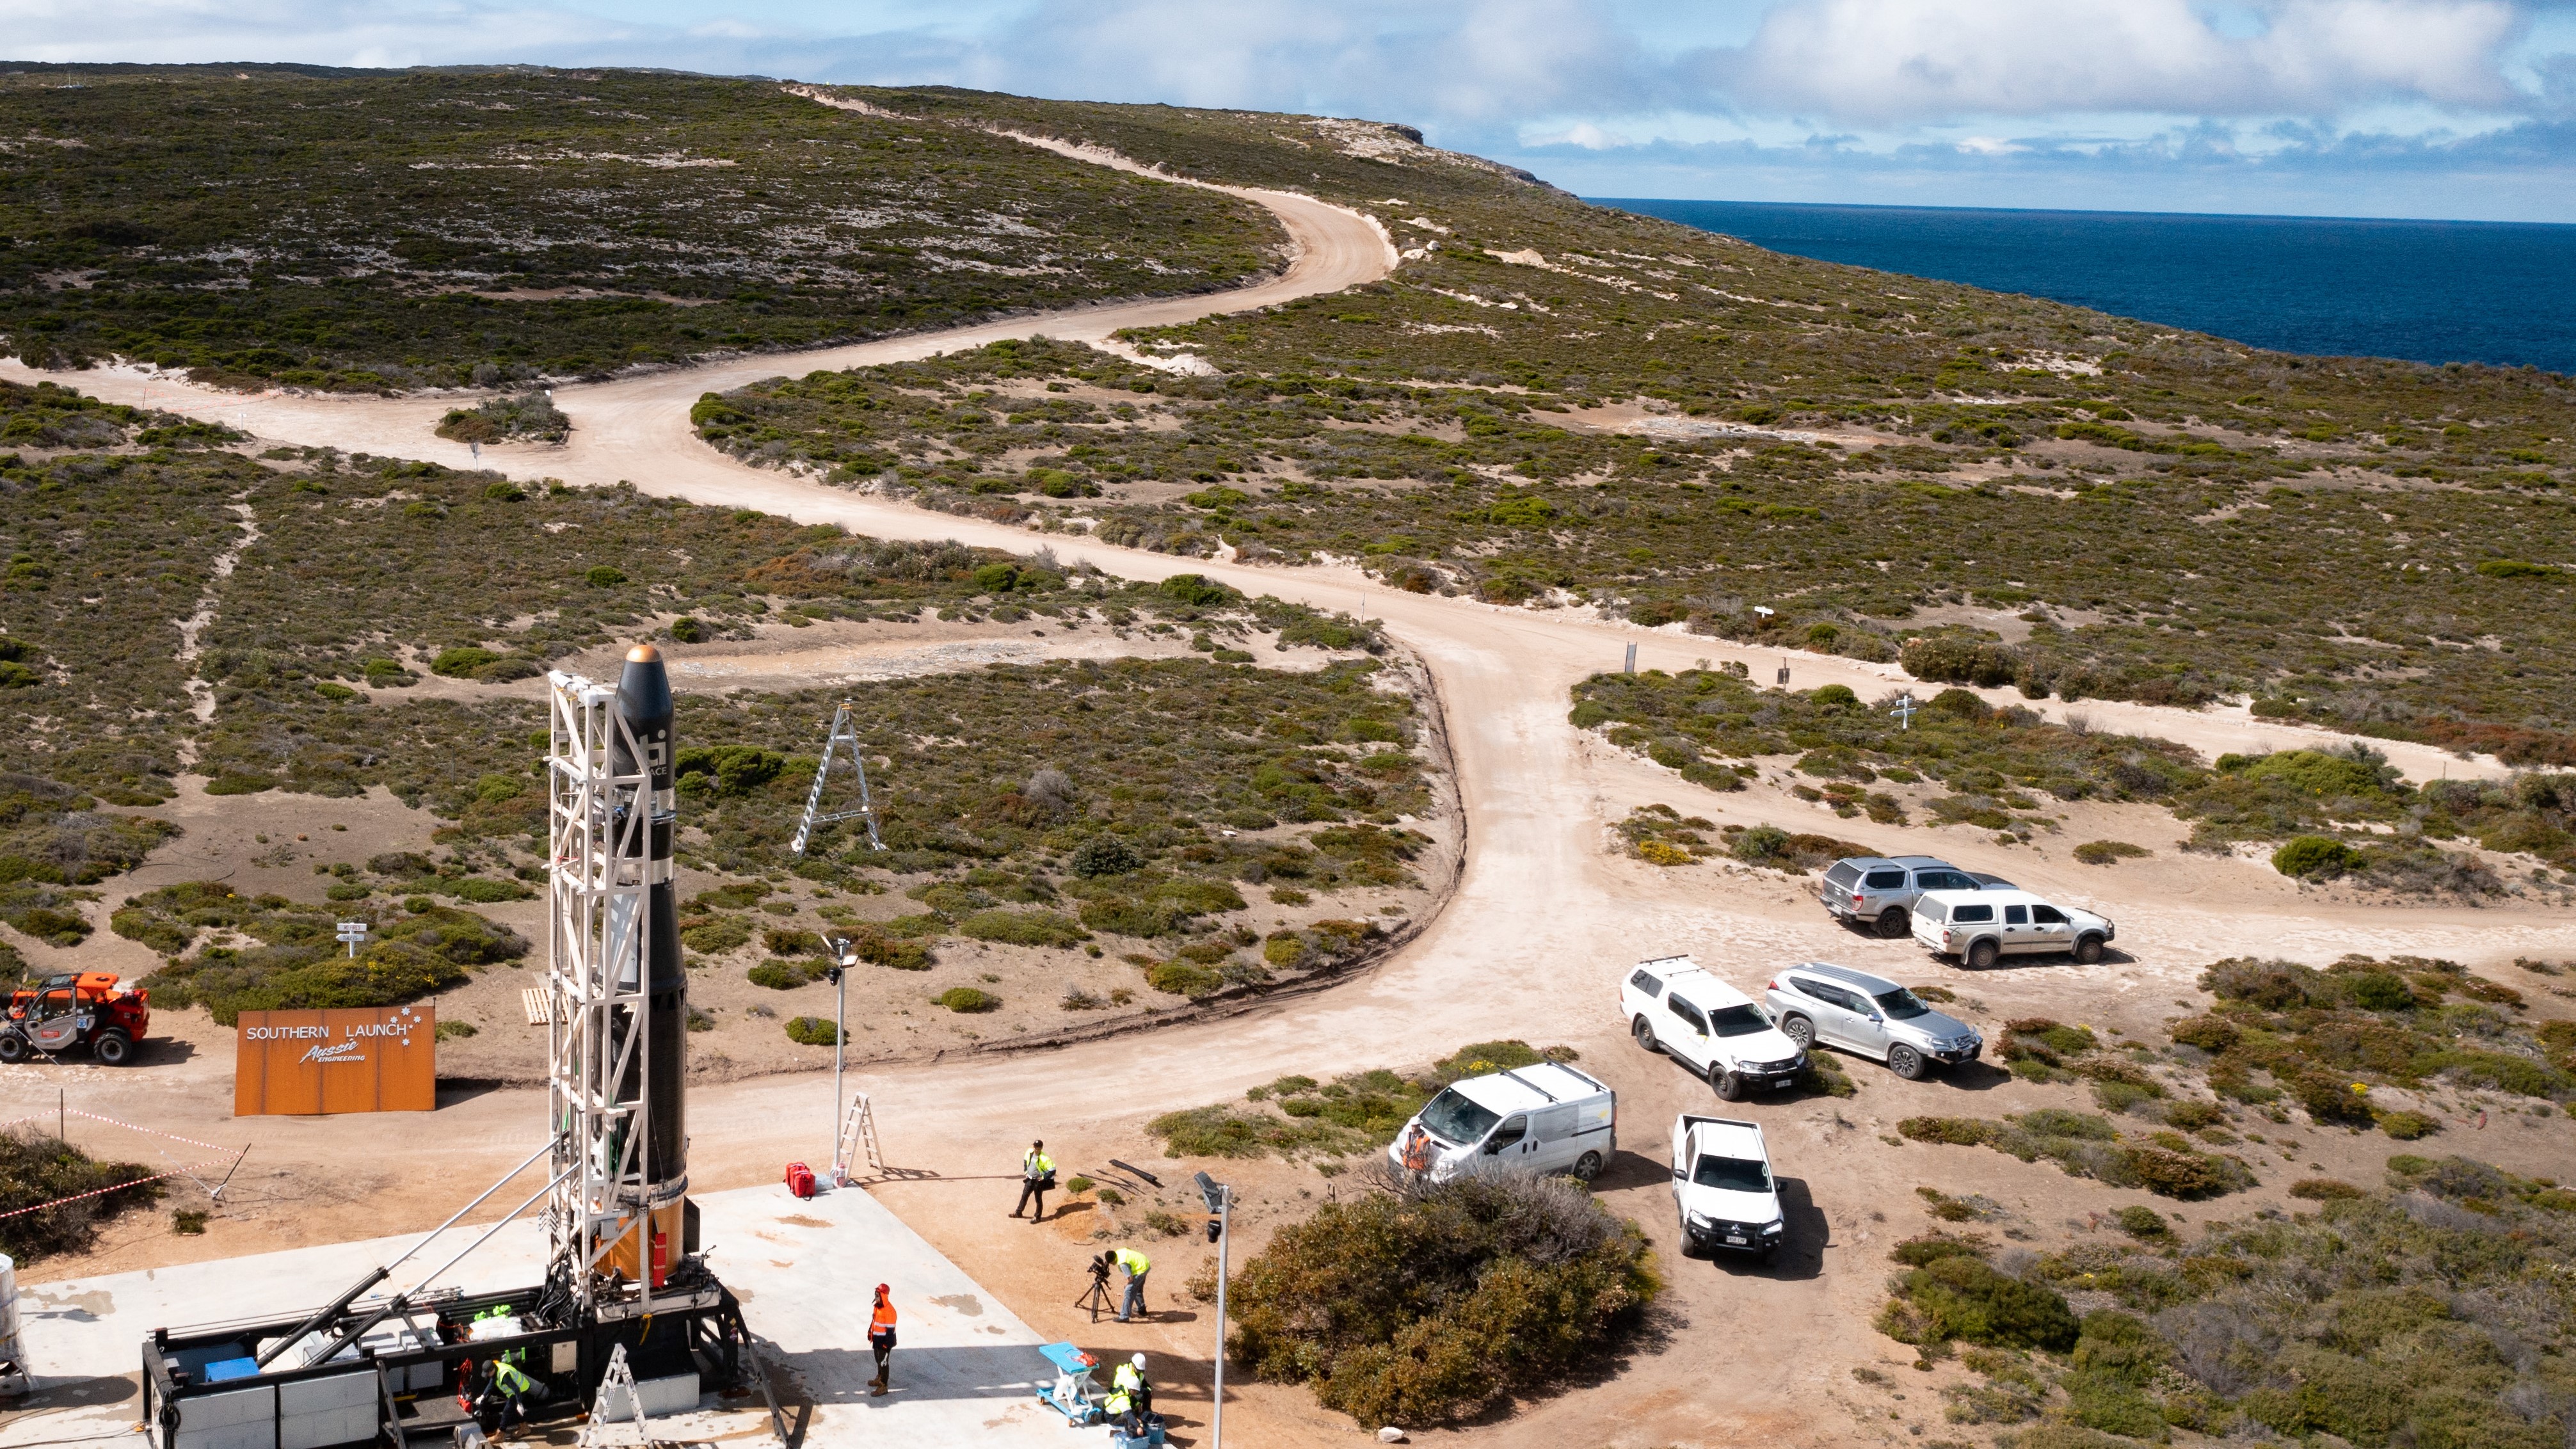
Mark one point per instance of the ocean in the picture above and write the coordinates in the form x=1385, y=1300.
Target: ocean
x=2429, y=291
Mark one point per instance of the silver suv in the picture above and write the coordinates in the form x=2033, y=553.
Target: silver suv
x=1814, y=1004
x=1878, y=892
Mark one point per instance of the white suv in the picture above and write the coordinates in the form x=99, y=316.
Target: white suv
x=1979, y=927
x=1723, y=1189
x=1678, y=1009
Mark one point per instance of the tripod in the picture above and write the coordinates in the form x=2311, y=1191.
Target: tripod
x=1096, y=1298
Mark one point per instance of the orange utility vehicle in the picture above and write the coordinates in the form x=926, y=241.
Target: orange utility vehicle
x=75, y=1010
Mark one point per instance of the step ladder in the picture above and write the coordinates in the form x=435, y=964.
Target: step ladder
x=858, y=1140
x=843, y=733
x=617, y=1398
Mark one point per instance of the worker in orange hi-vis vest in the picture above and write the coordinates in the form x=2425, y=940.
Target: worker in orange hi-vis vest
x=881, y=1339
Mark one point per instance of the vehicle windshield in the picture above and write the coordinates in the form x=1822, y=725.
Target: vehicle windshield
x=1900, y=1005
x=1741, y=1020
x=1453, y=1118
x=1735, y=1174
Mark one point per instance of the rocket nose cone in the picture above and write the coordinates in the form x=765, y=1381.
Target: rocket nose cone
x=644, y=689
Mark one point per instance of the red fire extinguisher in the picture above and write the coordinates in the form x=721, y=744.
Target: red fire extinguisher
x=661, y=1257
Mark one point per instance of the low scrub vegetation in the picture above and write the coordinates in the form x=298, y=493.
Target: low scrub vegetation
x=2413, y=1313
x=2324, y=1039
x=2005, y=768
x=36, y=1169
x=2085, y=1145
x=1298, y=1116
x=264, y=953
x=1796, y=414
x=372, y=231
x=1421, y=1305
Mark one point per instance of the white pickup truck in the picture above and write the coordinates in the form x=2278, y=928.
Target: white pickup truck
x=1722, y=1187
x=1674, y=1007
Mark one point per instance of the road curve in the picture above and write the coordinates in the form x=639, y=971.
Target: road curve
x=1541, y=913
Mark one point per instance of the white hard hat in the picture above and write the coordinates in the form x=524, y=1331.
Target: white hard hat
x=1138, y=1360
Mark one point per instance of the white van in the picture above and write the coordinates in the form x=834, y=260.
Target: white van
x=1546, y=1118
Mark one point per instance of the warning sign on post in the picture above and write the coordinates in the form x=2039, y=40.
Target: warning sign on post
x=357, y=1059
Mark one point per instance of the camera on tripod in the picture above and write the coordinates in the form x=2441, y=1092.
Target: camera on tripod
x=1096, y=1298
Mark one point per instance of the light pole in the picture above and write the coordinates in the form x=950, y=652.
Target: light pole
x=1220, y=1198
x=843, y=958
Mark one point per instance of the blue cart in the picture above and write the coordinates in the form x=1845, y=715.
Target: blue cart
x=1073, y=1394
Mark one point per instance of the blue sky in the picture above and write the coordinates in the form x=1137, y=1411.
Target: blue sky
x=2446, y=108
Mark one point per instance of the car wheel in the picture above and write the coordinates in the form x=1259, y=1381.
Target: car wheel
x=1800, y=1030
x=1681, y=1226
x=1729, y=1086
x=1767, y=1255
x=1982, y=954
x=1587, y=1167
x=1906, y=1062
x=1644, y=1032
x=13, y=1048
x=1893, y=922
x=112, y=1048
x=2088, y=951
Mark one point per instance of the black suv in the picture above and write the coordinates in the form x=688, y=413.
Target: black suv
x=1878, y=891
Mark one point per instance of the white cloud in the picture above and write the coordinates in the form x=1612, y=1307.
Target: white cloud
x=2000, y=83
x=1884, y=62
x=1582, y=133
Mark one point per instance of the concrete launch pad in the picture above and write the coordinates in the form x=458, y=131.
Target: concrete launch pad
x=965, y=1368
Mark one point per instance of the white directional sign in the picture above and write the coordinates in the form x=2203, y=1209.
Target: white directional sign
x=354, y=933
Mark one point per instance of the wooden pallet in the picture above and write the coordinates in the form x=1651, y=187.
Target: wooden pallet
x=535, y=1000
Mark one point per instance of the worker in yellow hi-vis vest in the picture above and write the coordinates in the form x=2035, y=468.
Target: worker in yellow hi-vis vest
x=1137, y=1266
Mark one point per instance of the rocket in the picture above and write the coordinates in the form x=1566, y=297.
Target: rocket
x=644, y=708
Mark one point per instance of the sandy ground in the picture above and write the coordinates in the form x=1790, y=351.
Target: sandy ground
x=1543, y=920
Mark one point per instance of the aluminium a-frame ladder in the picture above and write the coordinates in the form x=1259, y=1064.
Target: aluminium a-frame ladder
x=844, y=732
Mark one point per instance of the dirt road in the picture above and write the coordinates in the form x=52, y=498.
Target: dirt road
x=1543, y=919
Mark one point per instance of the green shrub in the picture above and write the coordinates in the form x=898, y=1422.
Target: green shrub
x=1184, y=978
x=895, y=952
x=461, y=661
x=966, y=1000
x=2143, y=1223
x=812, y=1031
x=1023, y=928
x=2109, y=852
x=1124, y=916
x=2315, y=857
x=1962, y=1297
x=1954, y=1131
x=1427, y=1304
x=2323, y=1189
x=40, y=1168
x=777, y=975
x=1102, y=855
x=793, y=941
x=457, y=1030
x=688, y=630
x=2408, y=1126
x=601, y=576
x=717, y=936
x=482, y=890
x=2209, y=1033
x=1761, y=844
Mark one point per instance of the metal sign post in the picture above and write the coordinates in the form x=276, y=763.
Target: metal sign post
x=1905, y=709
x=354, y=933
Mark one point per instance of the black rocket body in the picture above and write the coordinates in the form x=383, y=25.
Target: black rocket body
x=644, y=707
